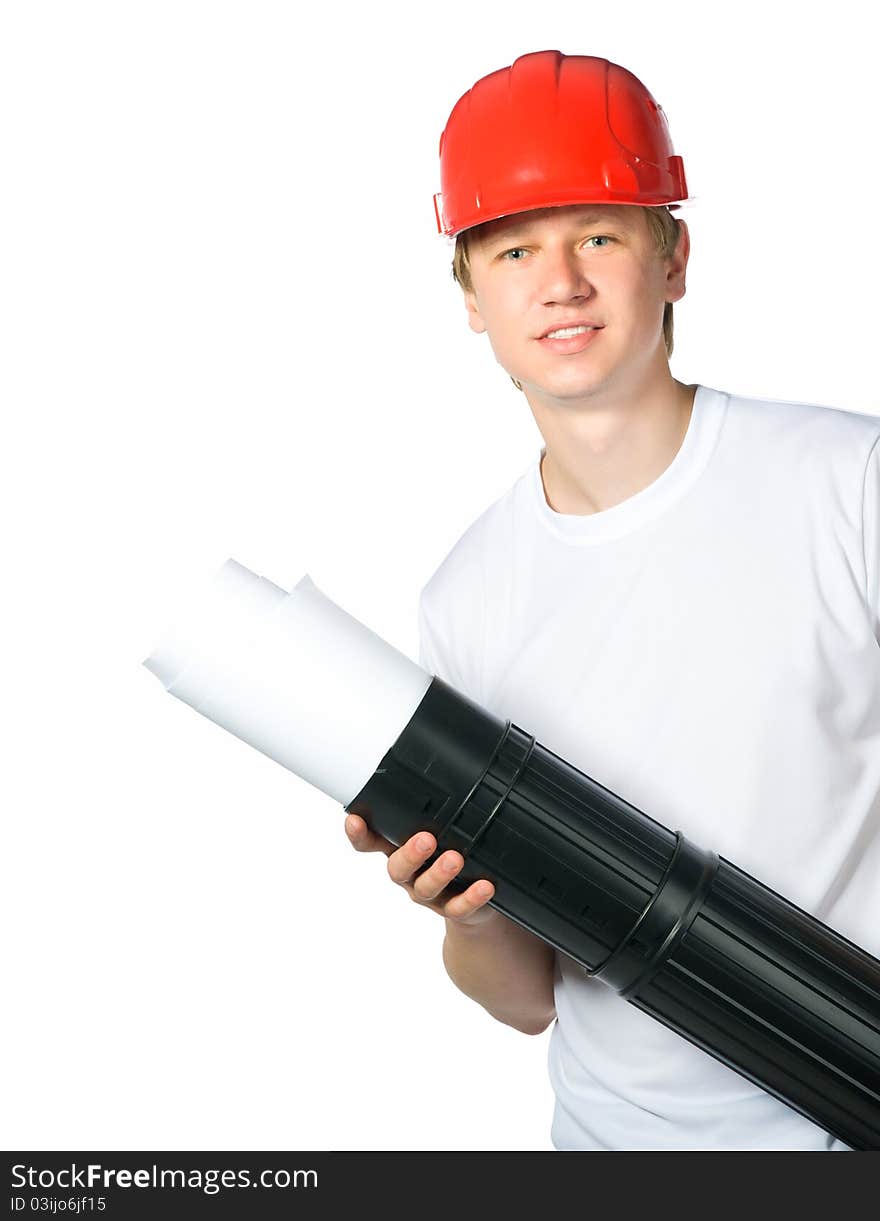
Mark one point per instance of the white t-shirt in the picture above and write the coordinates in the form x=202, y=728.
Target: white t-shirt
x=709, y=649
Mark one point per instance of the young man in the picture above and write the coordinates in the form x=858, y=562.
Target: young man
x=680, y=596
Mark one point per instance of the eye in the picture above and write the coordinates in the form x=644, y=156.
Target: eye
x=599, y=237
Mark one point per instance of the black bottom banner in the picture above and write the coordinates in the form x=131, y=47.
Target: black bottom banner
x=286, y=1184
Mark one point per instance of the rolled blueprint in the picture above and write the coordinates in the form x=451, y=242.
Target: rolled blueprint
x=292, y=674
x=677, y=931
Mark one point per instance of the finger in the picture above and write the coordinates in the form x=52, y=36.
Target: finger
x=429, y=884
x=470, y=900
x=403, y=863
x=363, y=838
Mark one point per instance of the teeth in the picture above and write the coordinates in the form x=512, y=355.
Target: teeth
x=569, y=330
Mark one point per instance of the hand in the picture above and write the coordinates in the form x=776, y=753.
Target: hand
x=468, y=907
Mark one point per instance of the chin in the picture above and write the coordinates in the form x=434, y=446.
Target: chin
x=574, y=385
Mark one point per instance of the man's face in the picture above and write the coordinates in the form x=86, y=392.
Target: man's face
x=591, y=262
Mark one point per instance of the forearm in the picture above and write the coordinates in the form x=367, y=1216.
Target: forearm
x=505, y=968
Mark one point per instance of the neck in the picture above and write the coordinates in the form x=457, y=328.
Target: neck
x=601, y=451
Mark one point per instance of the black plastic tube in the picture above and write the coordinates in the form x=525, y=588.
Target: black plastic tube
x=679, y=932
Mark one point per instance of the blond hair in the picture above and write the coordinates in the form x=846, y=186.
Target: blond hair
x=663, y=229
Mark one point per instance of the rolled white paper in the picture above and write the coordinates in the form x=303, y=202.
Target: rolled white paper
x=293, y=675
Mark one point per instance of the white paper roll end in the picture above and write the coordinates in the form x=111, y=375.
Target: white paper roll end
x=293, y=675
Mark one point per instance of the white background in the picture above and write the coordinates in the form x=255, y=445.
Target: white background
x=229, y=328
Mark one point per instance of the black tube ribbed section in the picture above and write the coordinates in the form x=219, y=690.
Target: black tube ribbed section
x=682, y=934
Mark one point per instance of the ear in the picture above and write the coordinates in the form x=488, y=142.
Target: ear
x=676, y=265
x=475, y=318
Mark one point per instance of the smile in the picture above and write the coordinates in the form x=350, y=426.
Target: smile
x=572, y=339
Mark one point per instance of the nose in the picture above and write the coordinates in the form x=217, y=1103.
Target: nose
x=564, y=277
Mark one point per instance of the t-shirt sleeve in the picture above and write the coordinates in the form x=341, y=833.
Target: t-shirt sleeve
x=429, y=645
x=871, y=534
x=448, y=644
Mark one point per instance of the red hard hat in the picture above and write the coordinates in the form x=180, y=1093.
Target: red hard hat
x=554, y=129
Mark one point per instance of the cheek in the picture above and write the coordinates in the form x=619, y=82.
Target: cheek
x=652, y=287
x=501, y=341
x=638, y=301
x=505, y=320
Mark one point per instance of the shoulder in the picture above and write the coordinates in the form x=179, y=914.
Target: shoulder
x=452, y=610
x=808, y=449
x=461, y=572
x=803, y=423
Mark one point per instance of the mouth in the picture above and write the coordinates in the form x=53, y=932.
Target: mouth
x=570, y=339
